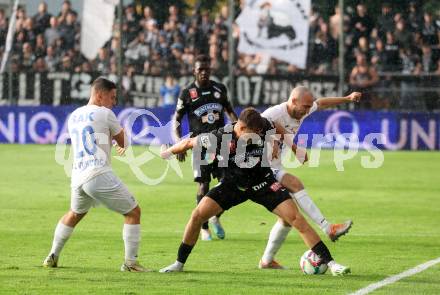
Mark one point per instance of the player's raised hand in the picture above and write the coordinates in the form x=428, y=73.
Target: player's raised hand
x=181, y=157
x=354, y=96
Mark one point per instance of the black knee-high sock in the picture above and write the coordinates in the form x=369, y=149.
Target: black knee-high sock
x=322, y=251
x=183, y=252
x=199, y=198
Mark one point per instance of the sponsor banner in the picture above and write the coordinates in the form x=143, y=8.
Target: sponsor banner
x=384, y=130
x=277, y=28
x=61, y=88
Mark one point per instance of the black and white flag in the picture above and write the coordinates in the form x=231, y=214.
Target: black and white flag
x=279, y=28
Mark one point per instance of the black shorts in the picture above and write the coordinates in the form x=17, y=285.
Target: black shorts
x=269, y=194
x=203, y=173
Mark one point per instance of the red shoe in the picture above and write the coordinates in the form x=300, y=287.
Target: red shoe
x=271, y=265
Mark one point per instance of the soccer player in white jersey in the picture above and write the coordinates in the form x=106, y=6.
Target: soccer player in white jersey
x=290, y=115
x=92, y=128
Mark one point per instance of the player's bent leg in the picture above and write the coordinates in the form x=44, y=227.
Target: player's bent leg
x=63, y=231
x=300, y=195
x=204, y=210
x=290, y=213
x=277, y=237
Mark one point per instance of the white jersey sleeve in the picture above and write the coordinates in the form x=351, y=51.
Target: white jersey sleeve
x=113, y=124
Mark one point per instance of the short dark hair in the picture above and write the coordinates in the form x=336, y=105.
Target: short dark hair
x=252, y=119
x=103, y=84
x=202, y=58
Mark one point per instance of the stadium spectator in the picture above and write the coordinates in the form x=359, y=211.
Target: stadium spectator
x=402, y=34
x=169, y=92
x=40, y=65
x=51, y=59
x=430, y=30
x=428, y=61
x=3, y=27
x=385, y=21
x=68, y=30
x=28, y=29
x=362, y=78
x=415, y=17
x=40, y=46
x=379, y=58
x=138, y=51
x=102, y=61
x=324, y=51
x=66, y=64
x=66, y=8
x=362, y=22
x=392, y=60
x=27, y=56
x=42, y=18
x=53, y=32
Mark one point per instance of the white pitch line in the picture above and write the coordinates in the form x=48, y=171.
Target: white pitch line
x=395, y=278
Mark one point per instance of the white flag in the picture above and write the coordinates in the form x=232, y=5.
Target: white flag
x=9, y=37
x=279, y=28
x=96, y=26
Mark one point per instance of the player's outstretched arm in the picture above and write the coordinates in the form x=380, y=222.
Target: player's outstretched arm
x=178, y=148
x=328, y=102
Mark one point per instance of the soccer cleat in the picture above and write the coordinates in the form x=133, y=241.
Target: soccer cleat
x=271, y=265
x=134, y=267
x=205, y=235
x=218, y=228
x=338, y=229
x=51, y=261
x=339, y=270
x=175, y=267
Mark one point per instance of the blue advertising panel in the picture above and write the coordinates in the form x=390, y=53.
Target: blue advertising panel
x=386, y=130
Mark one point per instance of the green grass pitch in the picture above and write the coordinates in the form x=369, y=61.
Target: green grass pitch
x=396, y=213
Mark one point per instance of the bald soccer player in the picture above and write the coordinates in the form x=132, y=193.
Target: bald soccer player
x=290, y=116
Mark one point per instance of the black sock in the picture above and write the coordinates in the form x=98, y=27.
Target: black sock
x=199, y=198
x=183, y=252
x=322, y=251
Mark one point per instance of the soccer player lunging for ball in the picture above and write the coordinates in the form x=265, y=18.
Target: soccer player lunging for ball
x=240, y=149
x=290, y=116
x=91, y=129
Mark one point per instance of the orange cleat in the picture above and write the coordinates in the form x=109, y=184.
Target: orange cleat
x=338, y=229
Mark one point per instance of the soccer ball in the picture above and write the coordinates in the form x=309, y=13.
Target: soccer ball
x=311, y=264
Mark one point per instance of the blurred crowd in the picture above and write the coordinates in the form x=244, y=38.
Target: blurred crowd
x=404, y=42
x=400, y=41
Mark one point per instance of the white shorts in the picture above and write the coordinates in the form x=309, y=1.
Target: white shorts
x=106, y=189
x=279, y=174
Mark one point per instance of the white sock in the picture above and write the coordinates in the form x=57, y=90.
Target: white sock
x=62, y=234
x=307, y=205
x=131, y=235
x=277, y=236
